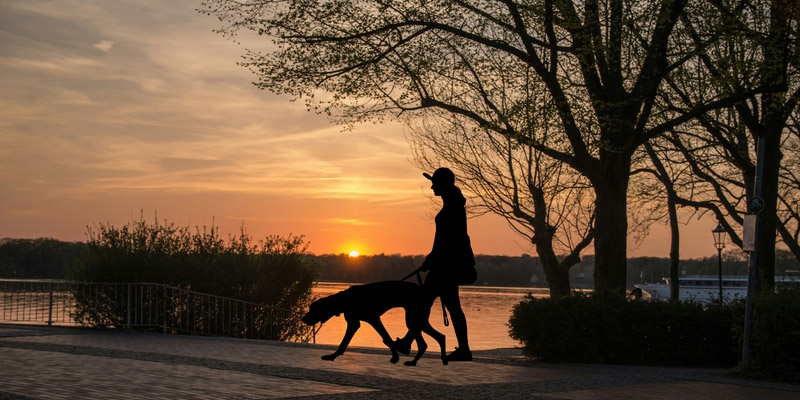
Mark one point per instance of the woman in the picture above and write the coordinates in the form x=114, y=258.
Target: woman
x=451, y=261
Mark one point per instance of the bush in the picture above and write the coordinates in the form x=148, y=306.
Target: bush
x=595, y=329
x=775, y=335
x=275, y=271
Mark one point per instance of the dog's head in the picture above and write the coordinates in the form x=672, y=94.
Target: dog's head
x=323, y=309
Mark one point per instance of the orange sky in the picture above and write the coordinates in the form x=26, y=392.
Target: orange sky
x=112, y=107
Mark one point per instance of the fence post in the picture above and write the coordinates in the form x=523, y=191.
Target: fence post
x=129, y=308
x=50, y=307
x=165, y=308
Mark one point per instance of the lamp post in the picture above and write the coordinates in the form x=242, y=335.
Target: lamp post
x=719, y=243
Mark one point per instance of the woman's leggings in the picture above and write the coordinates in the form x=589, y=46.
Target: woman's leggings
x=449, y=296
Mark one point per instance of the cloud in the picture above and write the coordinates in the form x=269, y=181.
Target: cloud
x=350, y=221
x=110, y=107
x=104, y=45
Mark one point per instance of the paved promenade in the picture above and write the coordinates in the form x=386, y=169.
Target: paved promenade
x=65, y=363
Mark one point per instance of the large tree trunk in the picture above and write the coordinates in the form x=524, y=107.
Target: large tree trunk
x=774, y=69
x=674, y=250
x=789, y=241
x=768, y=224
x=557, y=277
x=611, y=229
x=675, y=238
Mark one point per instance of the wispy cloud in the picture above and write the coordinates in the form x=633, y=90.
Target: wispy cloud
x=104, y=45
x=110, y=107
x=115, y=106
x=350, y=221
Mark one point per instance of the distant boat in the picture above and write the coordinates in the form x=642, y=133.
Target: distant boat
x=705, y=288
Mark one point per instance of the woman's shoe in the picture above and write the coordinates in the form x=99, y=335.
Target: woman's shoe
x=460, y=355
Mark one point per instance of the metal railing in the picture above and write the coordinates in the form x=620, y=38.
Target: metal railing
x=147, y=306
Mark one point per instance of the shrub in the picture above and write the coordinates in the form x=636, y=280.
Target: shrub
x=596, y=329
x=607, y=330
x=275, y=271
x=774, y=335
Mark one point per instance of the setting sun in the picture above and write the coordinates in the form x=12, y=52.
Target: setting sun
x=353, y=254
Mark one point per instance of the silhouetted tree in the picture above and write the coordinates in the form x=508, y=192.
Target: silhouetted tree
x=758, y=50
x=662, y=191
x=789, y=197
x=601, y=62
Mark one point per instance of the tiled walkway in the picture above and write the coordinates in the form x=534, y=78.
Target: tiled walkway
x=60, y=363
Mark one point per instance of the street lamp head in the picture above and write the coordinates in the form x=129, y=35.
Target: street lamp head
x=719, y=237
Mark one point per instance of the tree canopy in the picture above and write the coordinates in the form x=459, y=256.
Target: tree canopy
x=601, y=64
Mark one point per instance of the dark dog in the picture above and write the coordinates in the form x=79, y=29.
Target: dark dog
x=367, y=303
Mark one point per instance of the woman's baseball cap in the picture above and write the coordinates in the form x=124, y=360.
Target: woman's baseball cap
x=442, y=176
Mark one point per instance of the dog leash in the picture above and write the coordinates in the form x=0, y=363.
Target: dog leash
x=416, y=271
x=419, y=279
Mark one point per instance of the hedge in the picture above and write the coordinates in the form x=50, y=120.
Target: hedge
x=581, y=328
x=590, y=329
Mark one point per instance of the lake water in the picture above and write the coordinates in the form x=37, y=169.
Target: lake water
x=487, y=309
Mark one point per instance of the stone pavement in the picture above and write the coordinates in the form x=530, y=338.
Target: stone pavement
x=69, y=363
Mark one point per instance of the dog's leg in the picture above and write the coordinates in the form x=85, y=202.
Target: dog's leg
x=352, y=327
x=416, y=319
x=421, y=347
x=417, y=315
x=403, y=345
x=387, y=340
x=412, y=322
x=439, y=337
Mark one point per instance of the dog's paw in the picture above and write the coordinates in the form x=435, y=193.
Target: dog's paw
x=394, y=359
x=330, y=357
x=444, y=359
x=410, y=363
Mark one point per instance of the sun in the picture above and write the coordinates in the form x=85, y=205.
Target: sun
x=353, y=254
